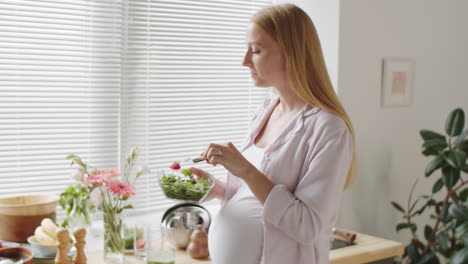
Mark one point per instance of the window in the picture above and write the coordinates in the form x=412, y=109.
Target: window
x=95, y=78
x=59, y=90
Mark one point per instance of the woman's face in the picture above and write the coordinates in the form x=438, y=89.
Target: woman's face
x=264, y=58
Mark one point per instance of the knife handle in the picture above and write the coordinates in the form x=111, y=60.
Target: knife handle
x=345, y=234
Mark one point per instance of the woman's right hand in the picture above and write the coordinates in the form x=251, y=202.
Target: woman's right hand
x=219, y=186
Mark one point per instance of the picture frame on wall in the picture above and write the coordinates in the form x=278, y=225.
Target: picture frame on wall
x=397, y=82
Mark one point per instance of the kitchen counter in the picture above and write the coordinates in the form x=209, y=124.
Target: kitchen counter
x=181, y=258
x=366, y=249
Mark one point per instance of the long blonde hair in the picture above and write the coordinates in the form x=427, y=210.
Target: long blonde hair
x=307, y=74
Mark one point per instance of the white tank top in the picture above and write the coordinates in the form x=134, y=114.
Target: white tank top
x=236, y=234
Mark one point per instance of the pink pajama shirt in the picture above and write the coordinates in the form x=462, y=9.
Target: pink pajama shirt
x=308, y=164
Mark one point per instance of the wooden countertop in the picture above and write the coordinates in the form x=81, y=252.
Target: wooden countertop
x=367, y=249
x=181, y=258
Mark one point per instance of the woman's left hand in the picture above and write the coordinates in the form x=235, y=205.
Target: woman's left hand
x=228, y=156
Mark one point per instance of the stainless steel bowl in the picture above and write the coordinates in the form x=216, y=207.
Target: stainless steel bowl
x=180, y=220
x=181, y=237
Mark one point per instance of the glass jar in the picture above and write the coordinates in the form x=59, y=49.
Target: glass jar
x=160, y=247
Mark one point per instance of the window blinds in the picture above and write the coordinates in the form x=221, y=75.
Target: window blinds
x=183, y=83
x=96, y=78
x=59, y=90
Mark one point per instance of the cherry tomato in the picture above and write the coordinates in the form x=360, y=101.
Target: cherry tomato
x=175, y=166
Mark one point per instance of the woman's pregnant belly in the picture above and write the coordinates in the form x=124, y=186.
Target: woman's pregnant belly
x=236, y=235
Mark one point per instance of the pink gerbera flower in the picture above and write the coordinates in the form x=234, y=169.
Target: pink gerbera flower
x=96, y=172
x=112, y=173
x=96, y=179
x=121, y=189
x=100, y=176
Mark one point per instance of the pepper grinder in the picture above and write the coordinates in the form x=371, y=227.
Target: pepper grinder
x=198, y=246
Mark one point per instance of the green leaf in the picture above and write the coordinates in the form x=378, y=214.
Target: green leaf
x=444, y=214
x=465, y=239
x=460, y=138
x=461, y=230
x=454, y=197
x=412, y=252
x=81, y=163
x=463, y=146
x=450, y=176
x=398, y=207
x=435, y=164
x=186, y=172
x=444, y=241
x=461, y=256
x=463, y=194
x=128, y=207
x=431, y=202
x=427, y=134
x=413, y=205
x=459, y=212
x=455, y=122
x=427, y=232
x=421, y=210
x=419, y=244
x=435, y=144
x=430, y=152
x=438, y=185
x=401, y=226
x=426, y=258
x=456, y=159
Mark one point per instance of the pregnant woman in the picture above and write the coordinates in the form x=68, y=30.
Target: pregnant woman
x=285, y=182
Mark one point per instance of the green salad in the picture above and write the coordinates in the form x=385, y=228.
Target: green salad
x=185, y=187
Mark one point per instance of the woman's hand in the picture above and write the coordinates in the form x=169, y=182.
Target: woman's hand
x=231, y=159
x=219, y=187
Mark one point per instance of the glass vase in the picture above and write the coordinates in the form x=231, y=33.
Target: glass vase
x=81, y=215
x=114, y=243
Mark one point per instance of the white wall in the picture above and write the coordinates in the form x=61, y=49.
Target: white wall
x=432, y=32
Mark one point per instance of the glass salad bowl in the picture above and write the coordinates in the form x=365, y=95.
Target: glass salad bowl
x=182, y=186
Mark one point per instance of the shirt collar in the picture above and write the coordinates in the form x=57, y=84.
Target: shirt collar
x=292, y=128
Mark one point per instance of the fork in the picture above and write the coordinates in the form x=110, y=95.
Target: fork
x=192, y=160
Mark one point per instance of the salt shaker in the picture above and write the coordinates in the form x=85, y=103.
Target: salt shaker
x=198, y=246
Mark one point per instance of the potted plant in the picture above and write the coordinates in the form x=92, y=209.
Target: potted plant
x=446, y=231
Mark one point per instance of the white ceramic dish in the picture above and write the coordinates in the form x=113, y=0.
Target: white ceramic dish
x=43, y=251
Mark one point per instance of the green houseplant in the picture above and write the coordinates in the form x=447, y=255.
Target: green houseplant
x=446, y=234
